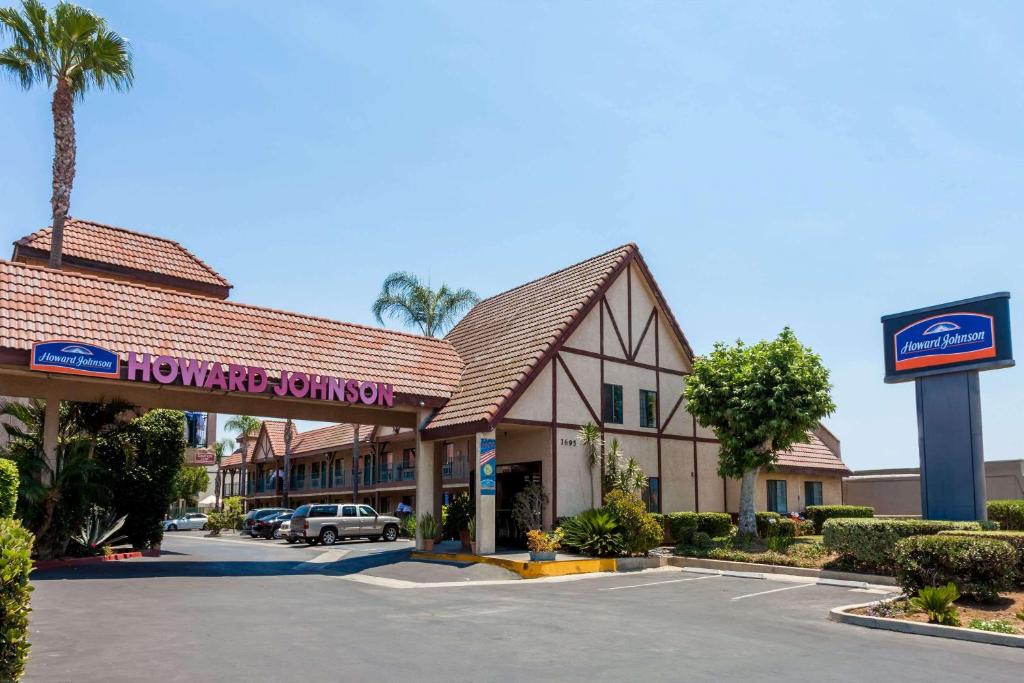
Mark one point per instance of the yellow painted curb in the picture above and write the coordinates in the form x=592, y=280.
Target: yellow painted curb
x=527, y=570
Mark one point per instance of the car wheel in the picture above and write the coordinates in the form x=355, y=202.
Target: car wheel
x=328, y=536
x=205, y=527
x=390, y=533
x=173, y=527
x=291, y=541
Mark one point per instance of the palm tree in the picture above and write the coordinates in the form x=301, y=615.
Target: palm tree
x=220, y=449
x=590, y=436
x=72, y=50
x=405, y=297
x=244, y=426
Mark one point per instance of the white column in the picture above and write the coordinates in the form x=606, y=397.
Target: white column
x=486, y=456
x=51, y=432
x=425, y=464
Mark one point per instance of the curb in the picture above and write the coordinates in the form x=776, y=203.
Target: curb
x=842, y=616
x=821, y=574
x=527, y=570
x=60, y=563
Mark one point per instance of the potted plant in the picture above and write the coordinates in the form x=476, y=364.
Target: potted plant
x=543, y=545
x=428, y=527
x=471, y=532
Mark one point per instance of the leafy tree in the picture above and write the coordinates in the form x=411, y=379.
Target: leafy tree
x=8, y=487
x=411, y=301
x=72, y=50
x=760, y=400
x=189, y=482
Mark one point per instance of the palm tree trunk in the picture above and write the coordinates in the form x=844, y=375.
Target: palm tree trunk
x=63, y=165
x=748, y=521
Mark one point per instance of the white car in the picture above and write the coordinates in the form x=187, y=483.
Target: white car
x=193, y=520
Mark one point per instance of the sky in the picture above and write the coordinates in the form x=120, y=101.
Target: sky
x=808, y=164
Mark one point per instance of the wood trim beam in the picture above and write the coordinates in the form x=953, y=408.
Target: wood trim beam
x=640, y=341
x=671, y=414
x=615, y=326
x=623, y=361
x=610, y=430
x=576, y=386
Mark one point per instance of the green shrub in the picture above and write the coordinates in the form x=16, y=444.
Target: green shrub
x=594, y=532
x=980, y=567
x=8, y=487
x=701, y=541
x=15, y=591
x=640, y=531
x=459, y=510
x=871, y=543
x=937, y=603
x=714, y=523
x=428, y=526
x=994, y=625
x=819, y=514
x=681, y=526
x=1009, y=514
x=1014, y=538
x=408, y=526
x=763, y=519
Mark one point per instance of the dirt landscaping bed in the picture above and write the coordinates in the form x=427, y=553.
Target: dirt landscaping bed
x=1005, y=612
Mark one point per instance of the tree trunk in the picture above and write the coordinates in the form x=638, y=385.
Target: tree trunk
x=63, y=165
x=748, y=521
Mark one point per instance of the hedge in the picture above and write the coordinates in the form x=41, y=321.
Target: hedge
x=682, y=525
x=819, y=514
x=980, y=567
x=15, y=590
x=1014, y=538
x=761, y=518
x=714, y=524
x=8, y=487
x=871, y=543
x=1009, y=514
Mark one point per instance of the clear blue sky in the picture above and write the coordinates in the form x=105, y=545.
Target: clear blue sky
x=810, y=164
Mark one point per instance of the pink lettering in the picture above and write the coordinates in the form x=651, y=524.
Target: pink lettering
x=386, y=395
x=235, y=374
x=257, y=380
x=193, y=372
x=137, y=365
x=298, y=384
x=318, y=386
x=335, y=389
x=351, y=391
x=368, y=393
x=282, y=385
x=215, y=380
x=165, y=376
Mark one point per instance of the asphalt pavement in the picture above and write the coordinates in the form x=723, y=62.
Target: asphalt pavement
x=234, y=609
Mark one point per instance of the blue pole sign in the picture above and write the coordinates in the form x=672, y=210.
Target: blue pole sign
x=488, y=466
x=75, y=358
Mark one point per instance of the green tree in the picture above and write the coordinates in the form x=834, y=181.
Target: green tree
x=189, y=482
x=71, y=50
x=759, y=400
x=243, y=426
x=590, y=436
x=412, y=302
x=220, y=449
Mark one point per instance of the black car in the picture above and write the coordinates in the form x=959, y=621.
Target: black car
x=259, y=513
x=268, y=526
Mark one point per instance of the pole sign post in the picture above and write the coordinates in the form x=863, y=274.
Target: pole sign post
x=488, y=466
x=942, y=348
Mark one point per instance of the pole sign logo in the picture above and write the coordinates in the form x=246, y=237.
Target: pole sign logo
x=973, y=334
x=75, y=358
x=488, y=466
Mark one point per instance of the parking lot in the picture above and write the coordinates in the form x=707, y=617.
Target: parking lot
x=235, y=608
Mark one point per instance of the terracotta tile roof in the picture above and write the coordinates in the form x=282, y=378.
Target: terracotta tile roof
x=502, y=338
x=814, y=455
x=39, y=303
x=112, y=246
x=233, y=460
x=328, y=438
x=275, y=433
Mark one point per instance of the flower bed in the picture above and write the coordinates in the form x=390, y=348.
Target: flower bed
x=999, y=617
x=806, y=553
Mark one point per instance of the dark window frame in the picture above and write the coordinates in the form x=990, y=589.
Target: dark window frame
x=649, y=408
x=810, y=499
x=611, y=404
x=772, y=498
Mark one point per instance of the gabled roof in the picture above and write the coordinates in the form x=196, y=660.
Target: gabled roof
x=814, y=455
x=328, y=438
x=273, y=432
x=233, y=460
x=115, y=250
x=39, y=303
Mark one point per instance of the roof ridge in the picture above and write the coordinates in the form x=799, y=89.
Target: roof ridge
x=224, y=302
x=622, y=247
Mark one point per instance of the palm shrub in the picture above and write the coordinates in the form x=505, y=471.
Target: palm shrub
x=8, y=487
x=937, y=603
x=640, y=530
x=980, y=567
x=99, y=529
x=594, y=532
x=15, y=593
x=428, y=525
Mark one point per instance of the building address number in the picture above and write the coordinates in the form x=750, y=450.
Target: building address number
x=569, y=442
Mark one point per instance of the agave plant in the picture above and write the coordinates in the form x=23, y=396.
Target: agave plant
x=937, y=603
x=594, y=532
x=99, y=529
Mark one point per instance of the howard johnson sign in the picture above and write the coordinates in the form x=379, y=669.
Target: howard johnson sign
x=962, y=335
x=75, y=358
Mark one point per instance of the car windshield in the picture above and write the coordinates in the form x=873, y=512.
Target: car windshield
x=302, y=511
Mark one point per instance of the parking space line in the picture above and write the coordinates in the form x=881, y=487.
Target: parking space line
x=774, y=590
x=659, y=583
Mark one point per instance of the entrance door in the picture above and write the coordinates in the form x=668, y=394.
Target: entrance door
x=511, y=479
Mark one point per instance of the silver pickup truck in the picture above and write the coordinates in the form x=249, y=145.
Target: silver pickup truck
x=327, y=522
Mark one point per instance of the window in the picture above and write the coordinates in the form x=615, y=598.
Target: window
x=348, y=511
x=324, y=511
x=611, y=408
x=777, y=496
x=812, y=493
x=652, y=494
x=366, y=511
x=648, y=408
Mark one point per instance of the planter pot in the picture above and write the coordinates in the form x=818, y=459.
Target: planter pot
x=472, y=547
x=542, y=557
x=464, y=537
x=428, y=544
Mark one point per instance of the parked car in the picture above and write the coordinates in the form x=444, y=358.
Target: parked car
x=326, y=523
x=259, y=513
x=268, y=526
x=288, y=530
x=192, y=520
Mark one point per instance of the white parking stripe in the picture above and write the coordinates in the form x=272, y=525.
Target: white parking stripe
x=774, y=590
x=658, y=583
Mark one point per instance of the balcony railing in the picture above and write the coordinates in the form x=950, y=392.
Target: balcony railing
x=396, y=473
x=457, y=468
